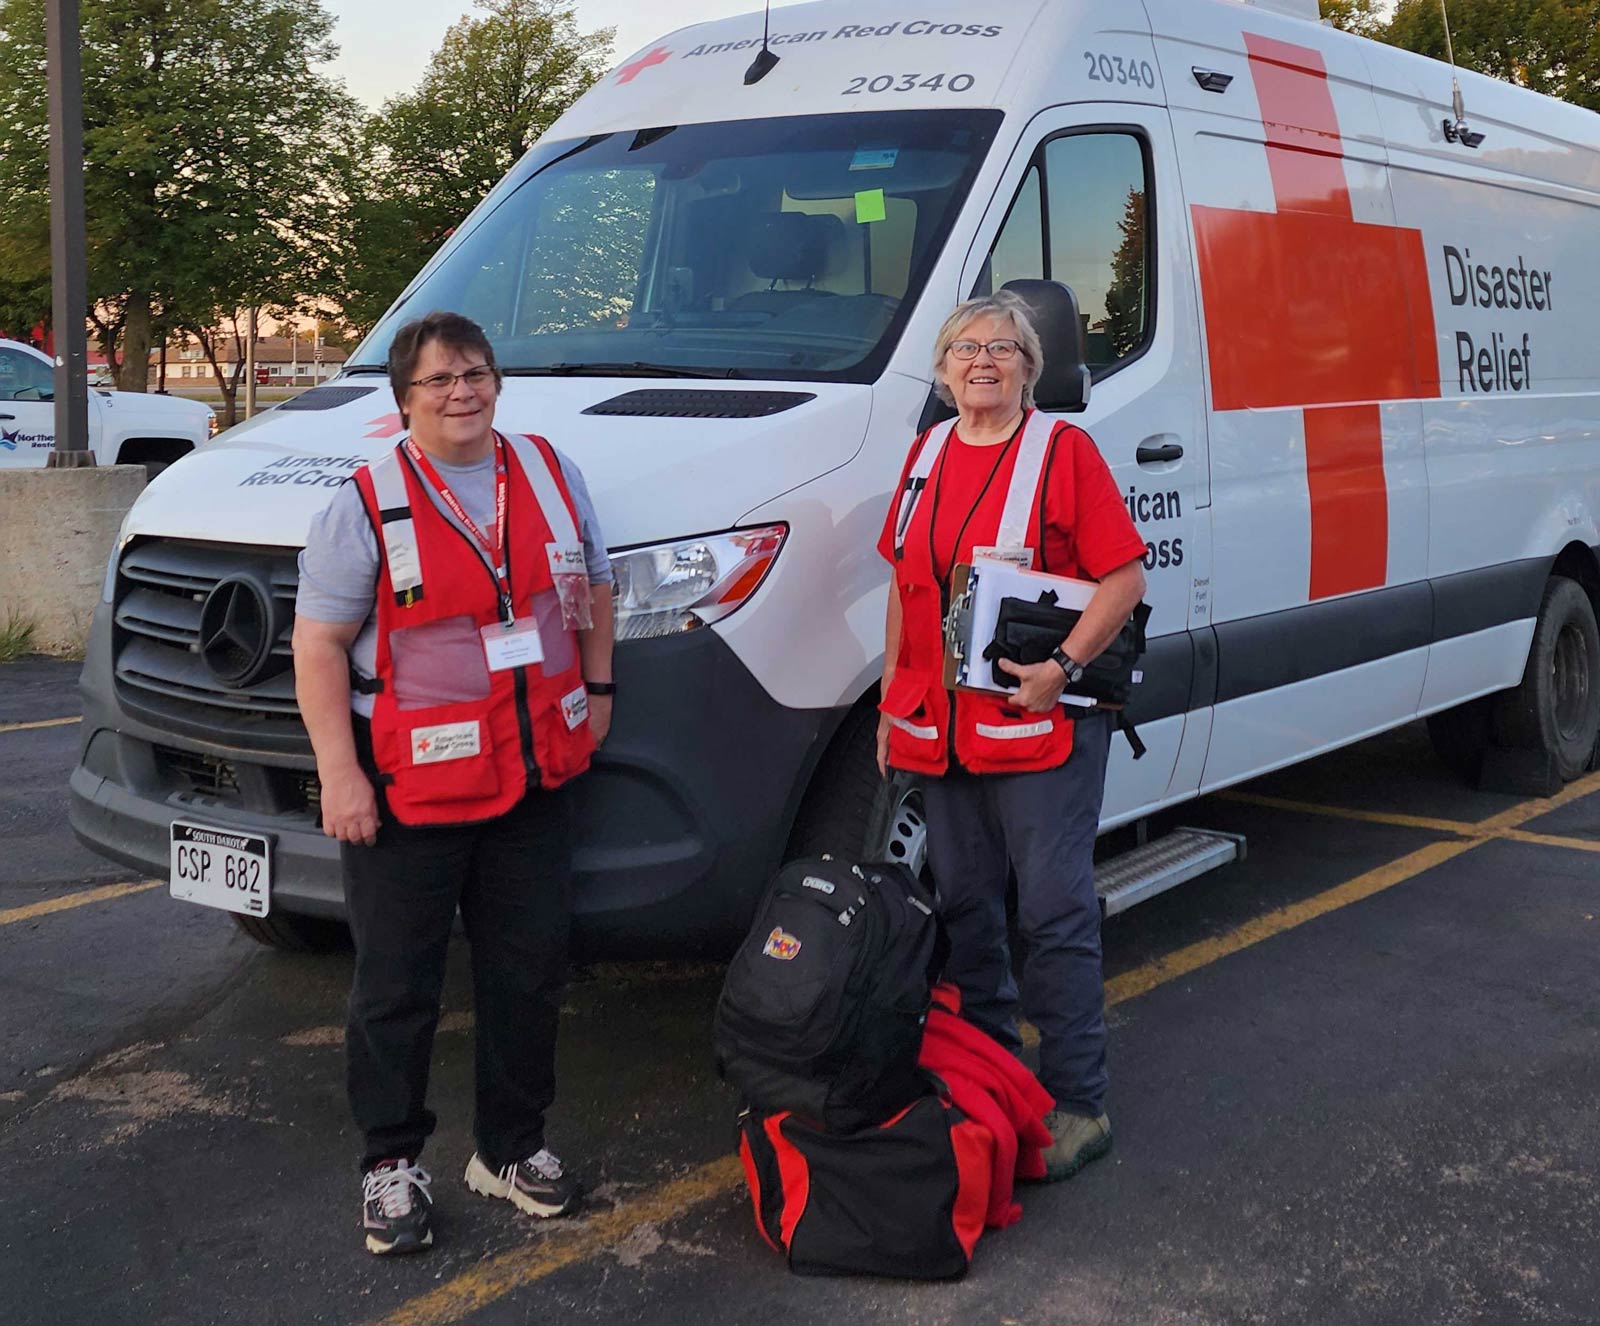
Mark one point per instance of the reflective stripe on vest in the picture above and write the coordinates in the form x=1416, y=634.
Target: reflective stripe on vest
x=917, y=730
x=1020, y=495
x=1012, y=731
x=399, y=530
x=544, y=486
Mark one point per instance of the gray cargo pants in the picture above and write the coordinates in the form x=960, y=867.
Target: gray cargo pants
x=1043, y=826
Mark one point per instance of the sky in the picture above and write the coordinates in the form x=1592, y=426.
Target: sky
x=385, y=44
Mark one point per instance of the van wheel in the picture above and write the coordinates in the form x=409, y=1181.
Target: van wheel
x=852, y=812
x=1556, y=708
x=1462, y=735
x=295, y=934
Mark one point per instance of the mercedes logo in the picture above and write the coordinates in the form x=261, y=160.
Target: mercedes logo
x=237, y=630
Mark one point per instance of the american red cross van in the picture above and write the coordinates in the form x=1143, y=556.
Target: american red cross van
x=1345, y=370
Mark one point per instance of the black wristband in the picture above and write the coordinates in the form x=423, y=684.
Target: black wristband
x=600, y=687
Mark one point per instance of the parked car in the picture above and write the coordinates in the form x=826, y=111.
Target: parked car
x=125, y=427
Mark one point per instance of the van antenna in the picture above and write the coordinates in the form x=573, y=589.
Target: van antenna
x=1456, y=130
x=765, y=61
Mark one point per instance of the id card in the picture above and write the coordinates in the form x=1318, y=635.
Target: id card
x=512, y=644
x=1022, y=557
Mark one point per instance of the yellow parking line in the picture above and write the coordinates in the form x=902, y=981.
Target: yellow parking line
x=1551, y=840
x=1524, y=811
x=495, y=1277
x=44, y=722
x=500, y=1276
x=105, y=893
x=1141, y=980
x=1347, y=812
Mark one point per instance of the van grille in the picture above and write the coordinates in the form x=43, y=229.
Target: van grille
x=161, y=590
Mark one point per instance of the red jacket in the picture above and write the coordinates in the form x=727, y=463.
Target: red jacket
x=992, y=1088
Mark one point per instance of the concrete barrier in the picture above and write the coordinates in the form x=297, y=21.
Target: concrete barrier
x=56, y=531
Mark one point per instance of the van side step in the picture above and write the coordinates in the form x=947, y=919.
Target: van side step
x=1157, y=866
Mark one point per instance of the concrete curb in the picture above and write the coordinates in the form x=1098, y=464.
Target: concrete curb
x=56, y=531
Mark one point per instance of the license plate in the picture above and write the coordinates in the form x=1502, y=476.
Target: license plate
x=221, y=868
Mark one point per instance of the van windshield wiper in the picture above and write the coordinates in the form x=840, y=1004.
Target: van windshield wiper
x=365, y=368
x=634, y=369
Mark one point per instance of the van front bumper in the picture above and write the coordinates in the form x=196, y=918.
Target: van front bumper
x=679, y=824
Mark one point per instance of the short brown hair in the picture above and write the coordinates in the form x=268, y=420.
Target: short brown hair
x=449, y=329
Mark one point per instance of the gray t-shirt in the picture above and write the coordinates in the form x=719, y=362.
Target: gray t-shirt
x=339, y=564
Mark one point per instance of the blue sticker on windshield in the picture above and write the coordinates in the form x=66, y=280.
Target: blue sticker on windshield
x=874, y=158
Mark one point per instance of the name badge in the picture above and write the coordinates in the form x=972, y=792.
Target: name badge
x=1022, y=557
x=512, y=644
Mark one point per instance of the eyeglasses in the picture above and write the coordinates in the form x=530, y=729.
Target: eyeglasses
x=440, y=384
x=998, y=350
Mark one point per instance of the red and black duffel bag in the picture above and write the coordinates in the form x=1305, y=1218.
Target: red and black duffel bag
x=905, y=1198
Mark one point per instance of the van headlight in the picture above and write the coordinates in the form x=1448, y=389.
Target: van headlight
x=109, y=589
x=669, y=588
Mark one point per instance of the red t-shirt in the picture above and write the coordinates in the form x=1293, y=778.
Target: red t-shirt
x=1087, y=530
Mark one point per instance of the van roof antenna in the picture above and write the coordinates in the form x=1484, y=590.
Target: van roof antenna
x=1456, y=131
x=765, y=61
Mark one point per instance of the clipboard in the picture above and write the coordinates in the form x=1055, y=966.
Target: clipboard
x=976, y=590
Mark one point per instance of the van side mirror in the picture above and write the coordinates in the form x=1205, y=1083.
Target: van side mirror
x=1064, y=386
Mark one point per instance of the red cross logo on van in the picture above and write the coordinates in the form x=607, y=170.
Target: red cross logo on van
x=1307, y=306
x=629, y=72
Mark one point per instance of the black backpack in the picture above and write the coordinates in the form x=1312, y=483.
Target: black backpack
x=824, y=1003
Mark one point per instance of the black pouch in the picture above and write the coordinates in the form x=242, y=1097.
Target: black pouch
x=1027, y=632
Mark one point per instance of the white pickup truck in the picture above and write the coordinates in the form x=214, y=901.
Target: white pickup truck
x=125, y=427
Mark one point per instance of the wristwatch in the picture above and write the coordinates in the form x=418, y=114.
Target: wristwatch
x=600, y=687
x=1073, y=670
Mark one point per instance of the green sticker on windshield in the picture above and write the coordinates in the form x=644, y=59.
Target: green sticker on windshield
x=870, y=206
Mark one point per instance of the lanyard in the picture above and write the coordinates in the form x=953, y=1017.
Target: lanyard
x=492, y=551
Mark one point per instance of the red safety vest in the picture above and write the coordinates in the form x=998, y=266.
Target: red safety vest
x=988, y=735
x=473, y=759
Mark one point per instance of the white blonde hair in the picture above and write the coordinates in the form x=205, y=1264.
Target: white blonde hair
x=1003, y=305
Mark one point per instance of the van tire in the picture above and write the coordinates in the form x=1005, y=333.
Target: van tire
x=1555, y=710
x=1461, y=736
x=850, y=811
x=296, y=934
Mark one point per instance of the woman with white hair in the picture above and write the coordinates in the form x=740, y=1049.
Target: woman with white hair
x=1011, y=782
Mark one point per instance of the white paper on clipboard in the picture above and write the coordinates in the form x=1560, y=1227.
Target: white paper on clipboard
x=975, y=608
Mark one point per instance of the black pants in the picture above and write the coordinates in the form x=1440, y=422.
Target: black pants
x=1042, y=826
x=511, y=878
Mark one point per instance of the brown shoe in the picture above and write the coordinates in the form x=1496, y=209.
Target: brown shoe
x=1078, y=1139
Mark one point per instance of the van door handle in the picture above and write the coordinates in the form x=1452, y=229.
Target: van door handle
x=1150, y=453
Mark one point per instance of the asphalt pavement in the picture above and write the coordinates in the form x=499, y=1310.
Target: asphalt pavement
x=1355, y=1080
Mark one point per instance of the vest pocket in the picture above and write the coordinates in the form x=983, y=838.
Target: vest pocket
x=439, y=756
x=915, y=725
x=990, y=738
x=562, y=738
x=438, y=663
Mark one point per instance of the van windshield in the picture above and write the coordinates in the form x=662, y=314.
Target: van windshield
x=784, y=248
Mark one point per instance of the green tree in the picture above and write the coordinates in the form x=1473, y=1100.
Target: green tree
x=1125, y=300
x=1361, y=17
x=497, y=81
x=1551, y=46
x=216, y=169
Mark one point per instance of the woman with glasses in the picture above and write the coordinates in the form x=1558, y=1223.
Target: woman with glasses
x=1011, y=782
x=452, y=648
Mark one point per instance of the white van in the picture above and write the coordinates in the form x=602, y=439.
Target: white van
x=125, y=427
x=1346, y=369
